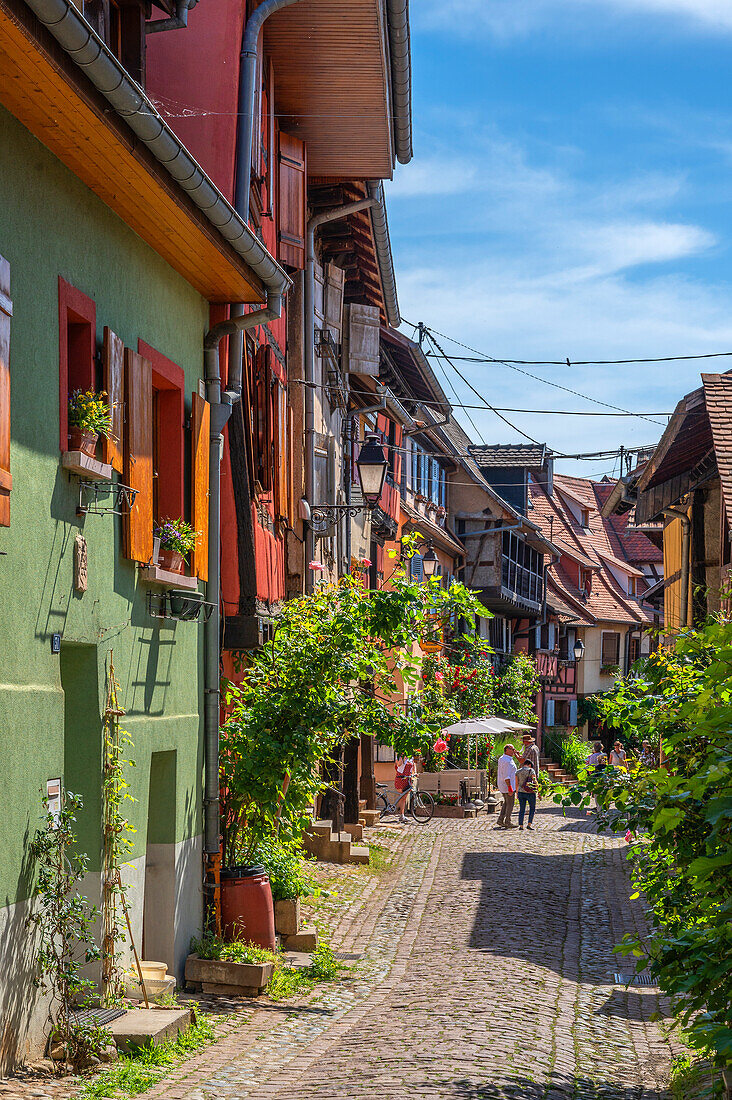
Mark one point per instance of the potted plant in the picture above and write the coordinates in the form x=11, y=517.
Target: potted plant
x=177, y=540
x=89, y=417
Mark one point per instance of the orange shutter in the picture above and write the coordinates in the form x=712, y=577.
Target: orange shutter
x=291, y=202
x=139, y=456
x=6, y=312
x=200, y=440
x=113, y=361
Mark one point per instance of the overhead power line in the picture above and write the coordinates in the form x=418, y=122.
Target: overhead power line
x=579, y=362
x=536, y=377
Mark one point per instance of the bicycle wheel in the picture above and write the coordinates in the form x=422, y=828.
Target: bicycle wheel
x=422, y=807
x=382, y=805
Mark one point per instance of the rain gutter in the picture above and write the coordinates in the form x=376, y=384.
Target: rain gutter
x=401, y=77
x=71, y=30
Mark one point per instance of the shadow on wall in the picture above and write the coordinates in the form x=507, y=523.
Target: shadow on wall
x=23, y=1023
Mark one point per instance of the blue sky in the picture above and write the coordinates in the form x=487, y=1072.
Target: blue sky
x=570, y=196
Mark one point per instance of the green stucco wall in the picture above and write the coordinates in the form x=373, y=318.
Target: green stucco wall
x=51, y=225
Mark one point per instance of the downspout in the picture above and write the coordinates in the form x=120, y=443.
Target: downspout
x=176, y=22
x=685, y=547
x=220, y=413
x=244, y=139
x=332, y=215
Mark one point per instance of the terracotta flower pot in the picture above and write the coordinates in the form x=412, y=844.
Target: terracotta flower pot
x=170, y=560
x=81, y=440
x=247, y=909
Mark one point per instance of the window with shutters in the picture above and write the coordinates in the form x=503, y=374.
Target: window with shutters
x=6, y=312
x=77, y=329
x=610, y=649
x=168, y=440
x=634, y=650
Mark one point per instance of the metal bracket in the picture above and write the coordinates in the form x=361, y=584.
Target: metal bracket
x=179, y=604
x=324, y=517
x=90, y=493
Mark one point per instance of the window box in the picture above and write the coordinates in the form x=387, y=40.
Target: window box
x=153, y=574
x=77, y=462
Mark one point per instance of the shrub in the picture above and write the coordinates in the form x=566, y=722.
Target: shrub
x=289, y=874
x=574, y=753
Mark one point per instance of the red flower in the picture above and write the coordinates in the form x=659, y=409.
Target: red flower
x=439, y=676
x=440, y=745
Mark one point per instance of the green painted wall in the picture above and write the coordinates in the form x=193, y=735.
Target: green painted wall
x=51, y=225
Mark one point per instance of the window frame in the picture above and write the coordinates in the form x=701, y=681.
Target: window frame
x=168, y=434
x=609, y=634
x=77, y=309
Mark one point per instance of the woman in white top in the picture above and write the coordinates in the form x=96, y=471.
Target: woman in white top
x=618, y=759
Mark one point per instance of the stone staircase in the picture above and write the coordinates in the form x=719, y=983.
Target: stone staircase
x=320, y=841
x=556, y=773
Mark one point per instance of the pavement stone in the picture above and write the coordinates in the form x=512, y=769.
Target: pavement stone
x=485, y=972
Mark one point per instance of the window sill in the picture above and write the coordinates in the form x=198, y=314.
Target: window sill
x=76, y=462
x=153, y=574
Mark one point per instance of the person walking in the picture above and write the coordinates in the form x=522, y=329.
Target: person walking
x=618, y=757
x=530, y=753
x=527, y=787
x=507, y=786
x=404, y=767
x=647, y=756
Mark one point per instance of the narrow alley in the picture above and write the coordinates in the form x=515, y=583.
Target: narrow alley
x=485, y=970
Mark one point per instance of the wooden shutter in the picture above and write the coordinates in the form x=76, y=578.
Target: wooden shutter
x=263, y=417
x=282, y=456
x=200, y=440
x=113, y=361
x=610, y=648
x=291, y=202
x=335, y=282
x=138, y=456
x=6, y=312
x=361, y=331
x=549, y=712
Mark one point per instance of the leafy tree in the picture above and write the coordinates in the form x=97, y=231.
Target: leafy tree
x=329, y=673
x=516, y=689
x=679, y=819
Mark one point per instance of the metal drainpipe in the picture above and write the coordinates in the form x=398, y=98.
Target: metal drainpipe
x=220, y=413
x=245, y=132
x=174, y=23
x=685, y=555
x=332, y=215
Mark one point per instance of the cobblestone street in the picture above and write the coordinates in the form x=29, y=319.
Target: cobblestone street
x=484, y=970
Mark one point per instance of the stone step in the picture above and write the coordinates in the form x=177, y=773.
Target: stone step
x=358, y=854
x=322, y=827
x=354, y=831
x=370, y=817
x=141, y=1026
x=304, y=940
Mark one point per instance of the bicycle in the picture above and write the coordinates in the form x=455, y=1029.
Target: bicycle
x=420, y=804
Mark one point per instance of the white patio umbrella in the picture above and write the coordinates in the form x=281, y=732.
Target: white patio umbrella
x=471, y=727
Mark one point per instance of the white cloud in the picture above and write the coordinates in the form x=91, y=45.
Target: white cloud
x=507, y=18
x=432, y=176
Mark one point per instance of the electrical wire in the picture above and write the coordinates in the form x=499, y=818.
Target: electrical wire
x=480, y=395
x=581, y=362
x=537, y=377
x=475, y=427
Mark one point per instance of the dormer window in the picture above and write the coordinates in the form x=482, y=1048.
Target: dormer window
x=585, y=517
x=632, y=586
x=585, y=580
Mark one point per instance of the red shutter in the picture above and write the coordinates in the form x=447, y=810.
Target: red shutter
x=264, y=417
x=6, y=312
x=200, y=440
x=113, y=361
x=291, y=204
x=138, y=456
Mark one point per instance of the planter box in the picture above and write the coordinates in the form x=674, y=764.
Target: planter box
x=231, y=978
x=288, y=919
x=449, y=811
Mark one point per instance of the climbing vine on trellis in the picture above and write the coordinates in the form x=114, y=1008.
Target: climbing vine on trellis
x=117, y=840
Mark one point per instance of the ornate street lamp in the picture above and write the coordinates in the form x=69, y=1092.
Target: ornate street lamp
x=371, y=465
x=429, y=563
x=579, y=650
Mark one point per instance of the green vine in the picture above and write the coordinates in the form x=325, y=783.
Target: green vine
x=117, y=841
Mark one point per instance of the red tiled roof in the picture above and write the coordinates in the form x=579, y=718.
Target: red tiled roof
x=718, y=396
x=606, y=599
x=631, y=545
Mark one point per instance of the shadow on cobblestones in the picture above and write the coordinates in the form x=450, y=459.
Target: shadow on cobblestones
x=556, y=1087
x=631, y=1005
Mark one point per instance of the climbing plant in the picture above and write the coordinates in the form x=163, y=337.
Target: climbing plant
x=64, y=920
x=116, y=839
x=330, y=672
